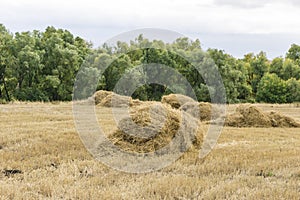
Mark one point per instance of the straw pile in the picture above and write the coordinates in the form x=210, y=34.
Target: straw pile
x=110, y=99
x=176, y=100
x=153, y=126
x=202, y=110
x=115, y=100
x=248, y=116
x=279, y=120
x=251, y=116
x=100, y=95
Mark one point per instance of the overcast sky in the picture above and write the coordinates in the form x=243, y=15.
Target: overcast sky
x=236, y=26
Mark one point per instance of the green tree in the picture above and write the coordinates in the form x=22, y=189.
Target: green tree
x=116, y=68
x=43, y=65
x=293, y=90
x=290, y=70
x=63, y=57
x=294, y=53
x=276, y=66
x=271, y=89
x=259, y=66
x=234, y=74
x=7, y=61
x=28, y=67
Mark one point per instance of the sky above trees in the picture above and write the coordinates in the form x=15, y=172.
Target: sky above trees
x=238, y=27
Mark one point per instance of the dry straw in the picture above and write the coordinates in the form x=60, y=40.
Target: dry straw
x=158, y=124
x=280, y=120
x=202, y=110
x=115, y=100
x=100, y=95
x=153, y=125
x=251, y=116
x=176, y=100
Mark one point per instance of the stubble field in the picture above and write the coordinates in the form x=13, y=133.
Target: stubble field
x=42, y=157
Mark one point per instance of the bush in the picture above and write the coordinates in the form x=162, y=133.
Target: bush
x=30, y=94
x=3, y=101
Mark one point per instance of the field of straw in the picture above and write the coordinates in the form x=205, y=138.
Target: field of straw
x=42, y=157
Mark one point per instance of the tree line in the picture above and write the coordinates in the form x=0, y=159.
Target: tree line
x=42, y=66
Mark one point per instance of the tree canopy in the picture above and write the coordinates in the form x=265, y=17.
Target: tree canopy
x=42, y=66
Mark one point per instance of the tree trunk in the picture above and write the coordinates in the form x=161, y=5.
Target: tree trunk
x=6, y=91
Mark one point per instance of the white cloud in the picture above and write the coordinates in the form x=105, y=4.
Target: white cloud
x=243, y=4
x=210, y=16
x=99, y=20
x=252, y=4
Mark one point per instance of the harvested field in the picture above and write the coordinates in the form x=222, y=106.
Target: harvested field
x=42, y=157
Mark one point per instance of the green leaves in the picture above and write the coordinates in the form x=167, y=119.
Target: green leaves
x=234, y=74
x=290, y=70
x=6, y=60
x=294, y=53
x=272, y=89
x=293, y=90
x=43, y=65
x=39, y=66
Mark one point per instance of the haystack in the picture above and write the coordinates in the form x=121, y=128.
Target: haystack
x=100, y=95
x=137, y=102
x=248, y=116
x=153, y=126
x=202, y=110
x=251, y=116
x=279, y=120
x=176, y=100
x=115, y=100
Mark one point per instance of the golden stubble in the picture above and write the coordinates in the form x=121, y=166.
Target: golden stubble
x=41, y=141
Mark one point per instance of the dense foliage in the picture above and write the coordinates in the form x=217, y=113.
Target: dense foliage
x=42, y=66
x=39, y=66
